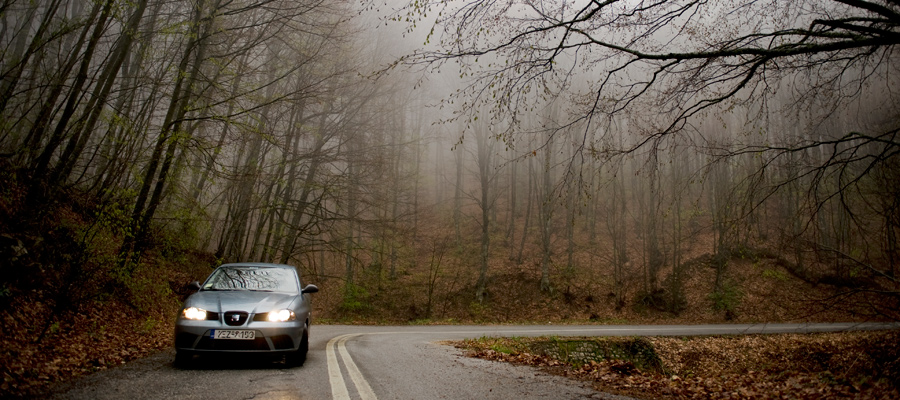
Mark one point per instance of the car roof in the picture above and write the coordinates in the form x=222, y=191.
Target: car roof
x=257, y=264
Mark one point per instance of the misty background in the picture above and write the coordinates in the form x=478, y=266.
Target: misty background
x=440, y=149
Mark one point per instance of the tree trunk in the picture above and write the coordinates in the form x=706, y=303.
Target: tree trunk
x=457, y=197
x=167, y=142
x=42, y=164
x=82, y=132
x=654, y=253
x=511, y=219
x=302, y=202
x=617, y=226
x=484, y=176
x=39, y=128
x=546, y=216
x=21, y=57
x=529, y=196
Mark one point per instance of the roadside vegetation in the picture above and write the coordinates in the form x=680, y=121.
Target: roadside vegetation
x=860, y=365
x=68, y=311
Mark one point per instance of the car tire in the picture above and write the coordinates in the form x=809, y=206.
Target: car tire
x=182, y=359
x=298, y=357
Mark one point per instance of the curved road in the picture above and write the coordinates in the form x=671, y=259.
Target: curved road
x=378, y=362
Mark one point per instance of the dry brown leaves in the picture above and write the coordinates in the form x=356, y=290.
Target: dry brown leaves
x=814, y=366
x=93, y=338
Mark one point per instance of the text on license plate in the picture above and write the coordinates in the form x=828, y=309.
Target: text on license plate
x=232, y=334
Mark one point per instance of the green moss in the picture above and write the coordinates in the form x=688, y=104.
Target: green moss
x=578, y=351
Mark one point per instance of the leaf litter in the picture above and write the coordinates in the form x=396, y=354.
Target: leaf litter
x=855, y=365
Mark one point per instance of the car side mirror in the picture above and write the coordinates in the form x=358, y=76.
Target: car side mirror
x=310, y=289
x=195, y=285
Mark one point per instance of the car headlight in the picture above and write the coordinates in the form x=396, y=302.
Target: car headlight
x=281, y=316
x=194, y=313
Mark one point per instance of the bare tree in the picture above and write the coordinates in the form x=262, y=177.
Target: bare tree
x=484, y=159
x=673, y=63
x=547, y=193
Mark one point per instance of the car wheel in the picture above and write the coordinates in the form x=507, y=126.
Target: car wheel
x=297, y=358
x=182, y=359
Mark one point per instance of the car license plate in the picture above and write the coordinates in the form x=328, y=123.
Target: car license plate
x=232, y=334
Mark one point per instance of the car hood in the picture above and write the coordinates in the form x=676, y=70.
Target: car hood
x=249, y=301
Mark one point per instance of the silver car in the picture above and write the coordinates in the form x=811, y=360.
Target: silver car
x=246, y=308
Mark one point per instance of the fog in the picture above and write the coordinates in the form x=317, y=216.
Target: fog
x=564, y=139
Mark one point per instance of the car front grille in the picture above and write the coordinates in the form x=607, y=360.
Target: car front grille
x=235, y=318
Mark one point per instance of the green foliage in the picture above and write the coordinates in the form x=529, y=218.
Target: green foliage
x=506, y=345
x=501, y=348
x=147, y=293
x=775, y=274
x=113, y=217
x=183, y=236
x=579, y=351
x=148, y=326
x=355, y=301
x=54, y=327
x=71, y=254
x=477, y=309
x=101, y=238
x=727, y=298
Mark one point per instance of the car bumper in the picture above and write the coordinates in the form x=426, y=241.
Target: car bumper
x=270, y=337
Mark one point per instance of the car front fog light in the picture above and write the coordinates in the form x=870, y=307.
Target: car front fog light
x=194, y=313
x=281, y=316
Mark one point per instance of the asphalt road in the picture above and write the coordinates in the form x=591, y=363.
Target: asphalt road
x=379, y=362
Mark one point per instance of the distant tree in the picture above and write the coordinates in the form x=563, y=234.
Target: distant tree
x=484, y=154
x=547, y=206
x=458, y=194
x=616, y=212
x=689, y=55
x=512, y=208
x=529, y=199
x=671, y=63
x=673, y=58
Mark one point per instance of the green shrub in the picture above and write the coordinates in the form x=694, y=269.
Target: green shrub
x=356, y=300
x=727, y=298
x=639, y=351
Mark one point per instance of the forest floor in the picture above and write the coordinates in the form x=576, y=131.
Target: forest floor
x=861, y=365
x=42, y=346
x=106, y=333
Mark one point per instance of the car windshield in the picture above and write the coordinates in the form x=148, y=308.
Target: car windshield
x=252, y=278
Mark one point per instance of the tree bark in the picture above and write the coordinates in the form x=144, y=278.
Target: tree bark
x=83, y=132
x=484, y=150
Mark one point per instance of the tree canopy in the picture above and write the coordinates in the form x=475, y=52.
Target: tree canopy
x=796, y=97
x=679, y=57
